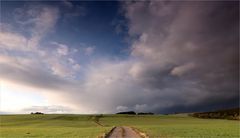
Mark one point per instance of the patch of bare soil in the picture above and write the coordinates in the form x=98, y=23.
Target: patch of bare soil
x=125, y=132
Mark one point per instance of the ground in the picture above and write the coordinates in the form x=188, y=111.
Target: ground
x=93, y=126
x=123, y=132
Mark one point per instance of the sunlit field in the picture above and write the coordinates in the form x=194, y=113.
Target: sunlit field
x=13, y=126
x=65, y=126
x=177, y=126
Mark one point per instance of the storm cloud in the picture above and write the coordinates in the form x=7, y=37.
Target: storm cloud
x=184, y=57
x=188, y=51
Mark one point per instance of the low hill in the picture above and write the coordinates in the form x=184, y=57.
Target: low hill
x=232, y=114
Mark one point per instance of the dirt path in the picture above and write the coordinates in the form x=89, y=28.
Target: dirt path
x=123, y=132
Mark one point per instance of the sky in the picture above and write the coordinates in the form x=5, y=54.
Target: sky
x=88, y=57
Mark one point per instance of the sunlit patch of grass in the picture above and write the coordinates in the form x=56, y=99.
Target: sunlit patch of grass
x=20, y=126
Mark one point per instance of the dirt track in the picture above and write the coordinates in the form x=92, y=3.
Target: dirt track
x=123, y=132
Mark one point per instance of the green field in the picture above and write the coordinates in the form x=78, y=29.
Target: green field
x=18, y=126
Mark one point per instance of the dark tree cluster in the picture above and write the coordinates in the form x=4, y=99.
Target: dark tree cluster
x=128, y=113
x=232, y=114
x=38, y=113
x=142, y=113
x=133, y=113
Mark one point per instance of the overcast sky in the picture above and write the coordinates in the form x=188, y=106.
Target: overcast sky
x=106, y=57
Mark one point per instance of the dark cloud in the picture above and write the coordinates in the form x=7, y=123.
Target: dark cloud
x=174, y=35
x=184, y=57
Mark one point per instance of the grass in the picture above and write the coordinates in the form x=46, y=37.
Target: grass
x=177, y=126
x=18, y=126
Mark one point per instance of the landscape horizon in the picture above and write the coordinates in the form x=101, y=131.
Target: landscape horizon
x=212, y=124
x=119, y=68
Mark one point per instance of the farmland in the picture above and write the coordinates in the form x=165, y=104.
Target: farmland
x=58, y=125
x=13, y=126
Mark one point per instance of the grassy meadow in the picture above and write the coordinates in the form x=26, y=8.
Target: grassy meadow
x=57, y=126
x=91, y=126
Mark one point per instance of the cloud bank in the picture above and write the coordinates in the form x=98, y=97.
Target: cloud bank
x=184, y=57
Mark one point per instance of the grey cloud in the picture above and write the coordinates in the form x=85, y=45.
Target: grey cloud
x=122, y=108
x=184, y=57
x=32, y=76
x=174, y=35
x=67, y=3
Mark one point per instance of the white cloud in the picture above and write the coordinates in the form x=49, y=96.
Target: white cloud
x=60, y=70
x=76, y=67
x=46, y=20
x=51, y=109
x=13, y=41
x=136, y=69
x=71, y=60
x=89, y=50
x=32, y=64
x=62, y=49
x=41, y=18
x=181, y=70
x=37, y=20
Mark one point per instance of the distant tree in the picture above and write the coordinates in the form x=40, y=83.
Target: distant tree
x=220, y=114
x=148, y=113
x=39, y=113
x=128, y=112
